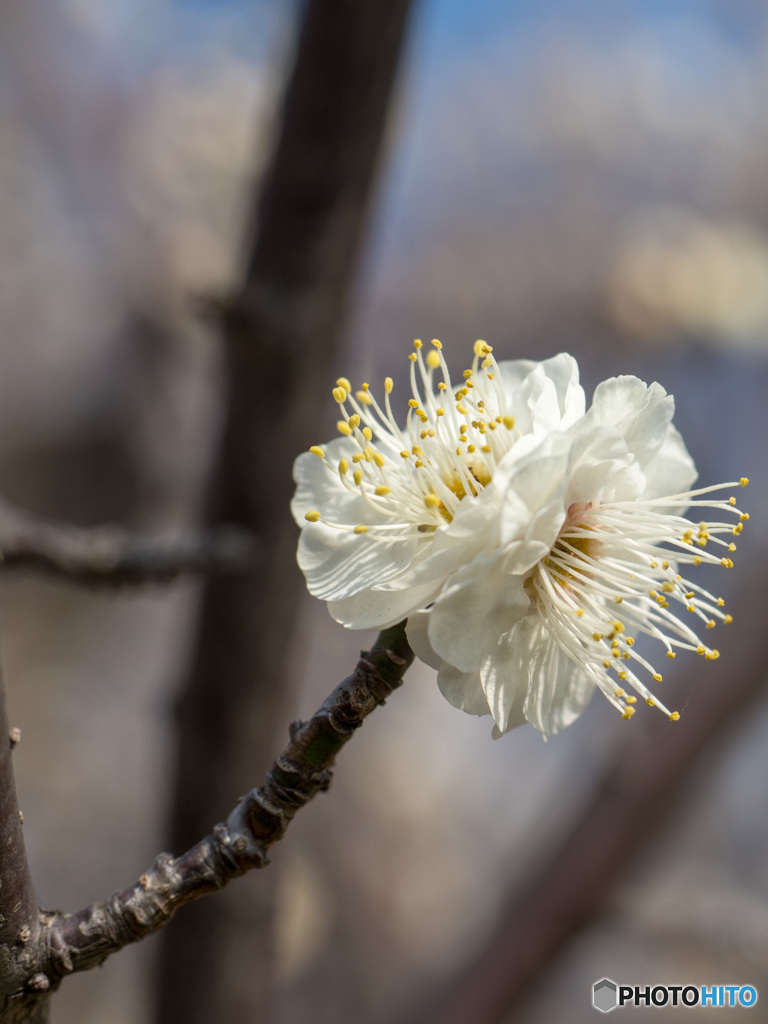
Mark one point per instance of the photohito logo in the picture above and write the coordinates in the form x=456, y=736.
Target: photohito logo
x=607, y=995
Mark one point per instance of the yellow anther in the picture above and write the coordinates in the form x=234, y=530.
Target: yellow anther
x=431, y=500
x=744, y=481
x=675, y=716
x=368, y=453
x=688, y=537
x=486, y=363
x=652, y=593
x=382, y=491
x=357, y=476
x=344, y=428
x=412, y=357
x=720, y=602
x=690, y=594
x=597, y=636
x=712, y=655
x=340, y=394
x=615, y=654
x=462, y=409
x=471, y=449
x=696, y=560
x=405, y=455
x=509, y=422
x=362, y=528
x=440, y=411
x=631, y=700
x=358, y=457
x=690, y=608
x=413, y=403
x=726, y=562
x=580, y=612
x=731, y=547
x=614, y=643
x=433, y=360
x=418, y=463
x=354, y=421
x=701, y=649
x=318, y=451
x=744, y=517
x=363, y=398
x=388, y=385
x=469, y=384
x=625, y=655
x=466, y=374
x=630, y=640
x=650, y=702
x=313, y=516
x=417, y=343
x=436, y=343
x=342, y=382
x=486, y=448
x=606, y=664
x=656, y=677
x=622, y=674
x=481, y=348
x=628, y=714
x=618, y=626
x=711, y=624
x=343, y=466
x=619, y=692
x=671, y=654
x=416, y=450
x=665, y=565
x=442, y=386
x=737, y=529
x=667, y=587
x=654, y=565
x=619, y=600
x=728, y=620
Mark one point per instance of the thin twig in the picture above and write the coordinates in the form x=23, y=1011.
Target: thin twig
x=111, y=556
x=77, y=942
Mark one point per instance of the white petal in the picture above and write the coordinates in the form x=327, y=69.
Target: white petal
x=558, y=688
x=416, y=630
x=468, y=619
x=340, y=563
x=671, y=470
x=378, y=608
x=642, y=413
x=462, y=689
x=505, y=686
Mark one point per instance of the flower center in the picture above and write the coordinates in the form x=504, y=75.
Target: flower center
x=417, y=476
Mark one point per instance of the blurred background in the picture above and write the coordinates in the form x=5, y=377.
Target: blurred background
x=566, y=174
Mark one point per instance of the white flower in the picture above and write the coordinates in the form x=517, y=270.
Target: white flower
x=527, y=540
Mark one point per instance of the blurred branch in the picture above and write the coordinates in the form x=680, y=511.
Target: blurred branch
x=637, y=793
x=283, y=330
x=77, y=942
x=111, y=556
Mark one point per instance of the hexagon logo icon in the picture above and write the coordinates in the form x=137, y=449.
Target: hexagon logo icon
x=605, y=995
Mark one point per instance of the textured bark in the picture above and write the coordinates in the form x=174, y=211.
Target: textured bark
x=110, y=556
x=638, y=792
x=76, y=942
x=24, y=987
x=283, y=331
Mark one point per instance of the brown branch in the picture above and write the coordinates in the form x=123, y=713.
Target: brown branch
x=21, y=985
x=635, y=797
x=77, y=942
x=111, y=556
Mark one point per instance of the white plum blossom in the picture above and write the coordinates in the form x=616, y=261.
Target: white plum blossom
x=528, y=540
